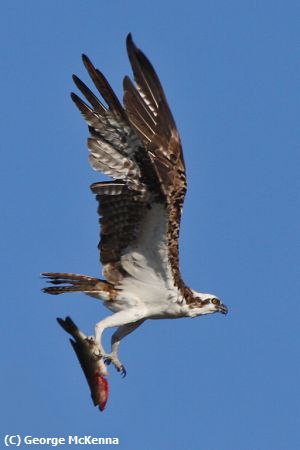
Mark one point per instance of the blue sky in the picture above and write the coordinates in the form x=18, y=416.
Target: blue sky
x=231, y=73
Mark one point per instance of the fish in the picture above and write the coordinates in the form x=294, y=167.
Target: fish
x=90, y=360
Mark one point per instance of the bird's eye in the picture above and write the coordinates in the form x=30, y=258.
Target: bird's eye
x=215, y=301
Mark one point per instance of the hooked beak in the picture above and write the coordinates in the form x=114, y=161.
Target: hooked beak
x=223, y=309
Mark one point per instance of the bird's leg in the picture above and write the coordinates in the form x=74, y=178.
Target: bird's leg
x=121, y=332
x=125, y=320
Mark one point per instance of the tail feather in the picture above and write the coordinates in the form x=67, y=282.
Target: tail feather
x=77, y=283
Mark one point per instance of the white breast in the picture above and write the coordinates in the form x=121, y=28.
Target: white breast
x=146, y=259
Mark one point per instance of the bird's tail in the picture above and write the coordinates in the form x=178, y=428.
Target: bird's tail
x=71, y=282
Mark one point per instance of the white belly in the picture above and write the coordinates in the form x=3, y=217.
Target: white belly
x=157, y=302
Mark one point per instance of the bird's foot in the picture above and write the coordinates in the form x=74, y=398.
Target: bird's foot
x=96, y=348
x=111, y=358
x=108, y=358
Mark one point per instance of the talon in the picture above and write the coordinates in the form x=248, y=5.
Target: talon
x=107, y=360
x=95, y=348
x=122, y=370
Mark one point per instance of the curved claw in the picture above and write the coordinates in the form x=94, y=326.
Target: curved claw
x=107, y=361
x=122, y=370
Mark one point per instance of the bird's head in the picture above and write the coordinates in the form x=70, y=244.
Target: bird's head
x=206, y=304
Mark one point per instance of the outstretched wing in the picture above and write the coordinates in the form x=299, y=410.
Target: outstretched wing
x=139, y=147
x=150, y=116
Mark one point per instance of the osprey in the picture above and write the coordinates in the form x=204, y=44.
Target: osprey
x=138, y=146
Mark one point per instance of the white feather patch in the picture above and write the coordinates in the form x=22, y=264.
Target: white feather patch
x=146, y=259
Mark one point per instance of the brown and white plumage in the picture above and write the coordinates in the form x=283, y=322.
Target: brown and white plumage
x=138, y=146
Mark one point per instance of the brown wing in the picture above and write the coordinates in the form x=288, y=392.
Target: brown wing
x=150, y=115
x=138, y=147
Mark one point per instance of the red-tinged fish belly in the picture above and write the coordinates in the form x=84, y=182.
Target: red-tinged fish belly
x=102, y=368
x=100, y=391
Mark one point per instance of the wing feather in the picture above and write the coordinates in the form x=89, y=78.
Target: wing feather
x=104, y=88
x=150, y=115
x=139, y=147
x=89, y=95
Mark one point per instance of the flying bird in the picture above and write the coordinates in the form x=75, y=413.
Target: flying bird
x=138, y=146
